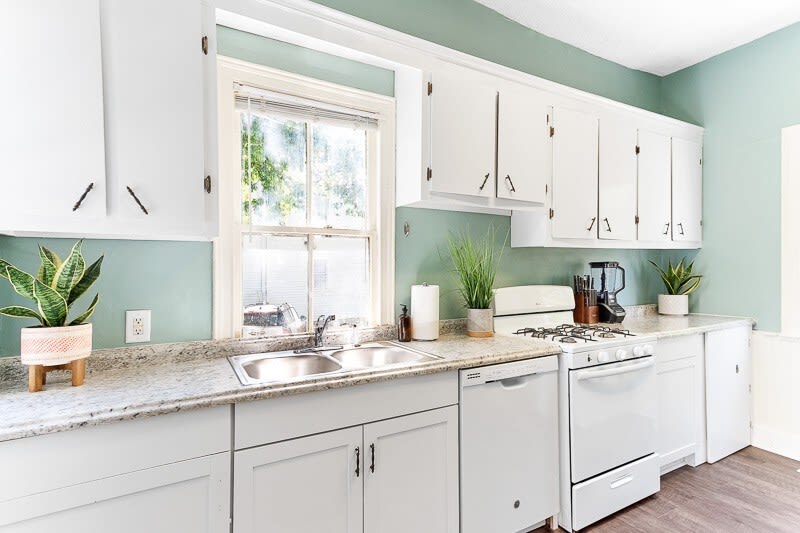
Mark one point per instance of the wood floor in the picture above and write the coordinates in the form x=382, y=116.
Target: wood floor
x=752, y=490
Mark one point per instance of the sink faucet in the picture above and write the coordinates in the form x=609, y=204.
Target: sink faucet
x=319, y=330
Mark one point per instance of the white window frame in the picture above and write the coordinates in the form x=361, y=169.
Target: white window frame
x=228, y=316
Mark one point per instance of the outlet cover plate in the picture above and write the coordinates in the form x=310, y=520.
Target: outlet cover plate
x=137, y=326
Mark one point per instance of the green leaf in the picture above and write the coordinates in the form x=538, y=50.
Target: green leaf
x=70, y=272
x=18, y=311
x=89, y=277
x=86, y=314
x=52, y=306
x=3, y=265
x=22, y=282
x=47, y=266
x=679, y=278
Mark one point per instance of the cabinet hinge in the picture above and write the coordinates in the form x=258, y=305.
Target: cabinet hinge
x=636, y=219
x=701, y=161
x=545, y=188
x=552, y=131
x=429, y=174
x=207, y=184
x=637, y=150
x=430, y=88
x=204, y=44
x=751, y=424
x=749, y=388
x=552, y=213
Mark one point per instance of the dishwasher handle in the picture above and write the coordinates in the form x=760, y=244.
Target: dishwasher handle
x=614, y=371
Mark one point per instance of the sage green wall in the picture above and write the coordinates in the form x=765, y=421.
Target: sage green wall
x=475, y=29
x=743, y=98
x=292, y=58
x=173, y=279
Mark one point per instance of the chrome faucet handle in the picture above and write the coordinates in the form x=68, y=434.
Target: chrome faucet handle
x=319, y=331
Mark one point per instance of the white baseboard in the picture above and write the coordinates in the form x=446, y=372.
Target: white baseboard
x=776, y=441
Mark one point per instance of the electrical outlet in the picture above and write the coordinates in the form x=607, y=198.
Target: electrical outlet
x=137, y=326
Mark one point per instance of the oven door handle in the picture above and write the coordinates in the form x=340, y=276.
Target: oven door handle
x=614, y=371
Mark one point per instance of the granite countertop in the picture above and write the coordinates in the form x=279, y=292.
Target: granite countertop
x=663, y=326
x=153, y=385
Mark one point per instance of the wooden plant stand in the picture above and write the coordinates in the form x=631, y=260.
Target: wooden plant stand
x=37, y=374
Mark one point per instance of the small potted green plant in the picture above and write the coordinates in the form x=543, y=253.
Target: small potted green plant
x=475, y=266
x=680, y=281
x=57, y=342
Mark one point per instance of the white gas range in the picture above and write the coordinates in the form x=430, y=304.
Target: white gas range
x=607, y=402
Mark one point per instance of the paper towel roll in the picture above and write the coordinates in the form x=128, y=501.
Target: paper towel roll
x=425, y=312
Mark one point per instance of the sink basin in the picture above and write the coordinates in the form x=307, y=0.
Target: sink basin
x=376, y=355
x=263, y=368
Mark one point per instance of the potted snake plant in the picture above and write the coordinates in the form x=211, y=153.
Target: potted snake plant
x=58, y=340
x=680, y=281
x=475, y=267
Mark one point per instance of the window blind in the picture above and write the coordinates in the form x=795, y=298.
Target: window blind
x=275, y=104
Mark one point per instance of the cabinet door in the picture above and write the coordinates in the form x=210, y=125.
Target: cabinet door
x=154, y=114
x=728, y=379
x=411, y=469
x=301, y=485
x=463, y=112
x=574, y=175
x=654, y=187
x=617, y=181
x=687, y=189
x=190, y=495
x=524, y=147
x=677, y=409
x=51, y=116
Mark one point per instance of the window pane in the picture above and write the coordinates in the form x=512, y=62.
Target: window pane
x=339, y=177
x=273, y=171
x=274, y=284
x=341, y=278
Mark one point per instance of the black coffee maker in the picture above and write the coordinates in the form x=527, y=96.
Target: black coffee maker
x=611, y=283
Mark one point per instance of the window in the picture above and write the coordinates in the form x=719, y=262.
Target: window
x=307, y=176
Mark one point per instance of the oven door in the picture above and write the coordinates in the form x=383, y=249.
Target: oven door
x=612, y=415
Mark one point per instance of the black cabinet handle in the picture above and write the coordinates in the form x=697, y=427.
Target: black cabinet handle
x=666, y=228
x=83, y=197
x=485, y=179
x=372, y=463
x=592, y=224
x=511, y=183
x=680, y=225
x=139, y=203
x=607, y=224
x=358, y=461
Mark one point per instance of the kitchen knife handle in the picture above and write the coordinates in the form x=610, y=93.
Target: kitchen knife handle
x=680, y=225
x=607, y=224
x=485, y=179
x=358, y=461
x=508, y=179
x=592, y=224
x=666, y=228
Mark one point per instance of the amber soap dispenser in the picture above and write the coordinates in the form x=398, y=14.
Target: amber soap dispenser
x=404, y=324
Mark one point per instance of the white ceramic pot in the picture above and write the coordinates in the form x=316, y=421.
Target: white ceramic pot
x=480, y=322
x=55, y=346
x=673, y=304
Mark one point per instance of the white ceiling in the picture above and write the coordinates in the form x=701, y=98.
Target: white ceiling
x=660, y=37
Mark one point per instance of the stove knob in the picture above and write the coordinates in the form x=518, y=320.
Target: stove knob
x=648, y=349
x=603, y=357
x=621, y=354
x=638, y=351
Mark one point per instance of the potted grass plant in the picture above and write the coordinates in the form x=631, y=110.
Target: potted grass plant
x=680, y=280
x=475, y=267
x=58, y=341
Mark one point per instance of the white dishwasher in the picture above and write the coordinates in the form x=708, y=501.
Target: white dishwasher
x=509, y=445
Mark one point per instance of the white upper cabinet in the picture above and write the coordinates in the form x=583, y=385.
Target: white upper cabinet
x=154, y=115
x=524, y=148
x=463, y=121
x=655, y=189
x=51, y=104
x=574, y=204
x=687, y=190
x=617, y=181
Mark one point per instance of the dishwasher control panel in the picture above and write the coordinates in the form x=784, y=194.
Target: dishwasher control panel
x=499, y=372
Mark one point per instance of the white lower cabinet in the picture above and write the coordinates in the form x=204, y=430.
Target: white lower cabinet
x=395, y=475
x=162, y=474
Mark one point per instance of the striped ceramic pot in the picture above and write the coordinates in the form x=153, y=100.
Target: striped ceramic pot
x=55, y=346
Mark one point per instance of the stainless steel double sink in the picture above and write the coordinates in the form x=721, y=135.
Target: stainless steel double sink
x=276, y=367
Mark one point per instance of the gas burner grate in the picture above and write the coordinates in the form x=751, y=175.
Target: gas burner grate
x=573, y=333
